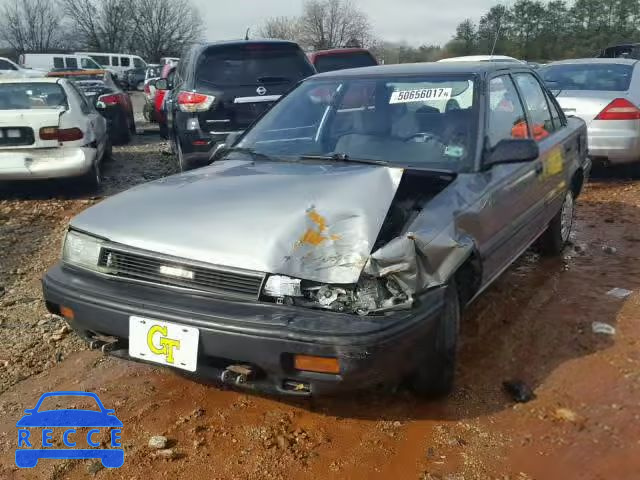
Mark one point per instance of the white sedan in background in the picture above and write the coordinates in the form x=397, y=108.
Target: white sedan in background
x=48, y=129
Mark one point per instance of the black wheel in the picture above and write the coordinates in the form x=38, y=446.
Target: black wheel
x=556, y=236
x=132, y=125
x=124, y=131
x=182, y=164
x=435, y=377
x=108, y=151
x=92, y=180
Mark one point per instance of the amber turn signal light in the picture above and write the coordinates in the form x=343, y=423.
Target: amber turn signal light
x=307, y=363
x=67, y=313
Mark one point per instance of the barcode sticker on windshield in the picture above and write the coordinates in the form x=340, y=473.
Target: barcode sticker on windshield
x=421, y=95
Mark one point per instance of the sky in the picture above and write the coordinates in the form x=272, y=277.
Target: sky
x=414, y=21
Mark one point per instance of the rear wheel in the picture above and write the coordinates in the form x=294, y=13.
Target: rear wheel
x=92, y=180
x=180, y=155
x=124, y=131
x=557, y=234
x=435, y=377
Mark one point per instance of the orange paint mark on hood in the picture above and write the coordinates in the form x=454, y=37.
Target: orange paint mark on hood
x=317, y=236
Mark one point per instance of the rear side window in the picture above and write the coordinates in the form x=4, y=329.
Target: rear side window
x=252, y=64
x=58, y=62
x=72, y=62
x=31, y=96
x=596, y=77
x=330, y=63
x=115, y=61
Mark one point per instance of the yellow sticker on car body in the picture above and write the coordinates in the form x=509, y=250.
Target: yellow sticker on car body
x=554, y=164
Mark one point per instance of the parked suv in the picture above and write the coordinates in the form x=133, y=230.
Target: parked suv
x=223, y=87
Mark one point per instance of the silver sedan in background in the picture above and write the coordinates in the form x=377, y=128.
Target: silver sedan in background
x=605, y=93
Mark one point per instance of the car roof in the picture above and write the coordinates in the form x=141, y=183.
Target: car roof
x=595, y=61
x=339, y=51
x=228, y=43
x=479, y=58
x=42, y=79
x=427, y=68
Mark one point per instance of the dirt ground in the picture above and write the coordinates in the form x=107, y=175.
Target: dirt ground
x=534, y=325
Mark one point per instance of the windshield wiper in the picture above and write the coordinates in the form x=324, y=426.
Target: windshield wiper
x=252, y=153
x=344, y=157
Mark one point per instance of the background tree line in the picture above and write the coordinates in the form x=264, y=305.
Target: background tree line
x=149, y=28
x=537, y=30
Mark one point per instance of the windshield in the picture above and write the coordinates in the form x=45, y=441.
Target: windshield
x=599, y=77
x=31, y=96
x=252, y=64
x=427, y=122
x=340, y=61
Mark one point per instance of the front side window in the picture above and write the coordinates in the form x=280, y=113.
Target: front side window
x=125, y=61
x=101, y=60
x=428, y=122
x=89, y=64
x=58, y=62
x=506, y=115
x=138, y=63
x=535, y=101
x=71, y=62
x=4, y=65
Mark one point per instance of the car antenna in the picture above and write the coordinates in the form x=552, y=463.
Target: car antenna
x=246, y=35
x=495, y=41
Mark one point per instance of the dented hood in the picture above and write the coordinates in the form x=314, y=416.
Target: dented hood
x=307, y=220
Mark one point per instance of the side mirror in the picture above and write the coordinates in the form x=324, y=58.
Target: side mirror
x=512, y=151
x=162, y=84
x=223, y=148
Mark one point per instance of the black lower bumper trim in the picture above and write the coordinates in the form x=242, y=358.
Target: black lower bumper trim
x=370, y=350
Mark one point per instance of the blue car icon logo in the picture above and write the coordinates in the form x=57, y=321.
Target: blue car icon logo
x=32, y=447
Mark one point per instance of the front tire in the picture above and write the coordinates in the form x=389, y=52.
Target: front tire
x=557, y=234
x=435, y=377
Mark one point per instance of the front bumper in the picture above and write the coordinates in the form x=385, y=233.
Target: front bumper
x=28, y=164
x=371, y=350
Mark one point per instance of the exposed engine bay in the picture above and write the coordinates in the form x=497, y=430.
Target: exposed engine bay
x=370, y=295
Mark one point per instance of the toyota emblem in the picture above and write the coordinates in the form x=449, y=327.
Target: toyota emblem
x=261, y=90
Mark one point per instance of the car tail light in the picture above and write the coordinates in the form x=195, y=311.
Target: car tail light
x=194, y=102
x=620, y=109
x=61, y=134
x=110, y=100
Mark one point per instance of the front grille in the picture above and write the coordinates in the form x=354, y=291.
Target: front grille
x=152, y=269
x=16, y=136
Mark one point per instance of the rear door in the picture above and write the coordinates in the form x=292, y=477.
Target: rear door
x=246, y=80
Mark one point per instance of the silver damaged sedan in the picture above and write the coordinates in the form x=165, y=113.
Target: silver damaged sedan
x=333, y=245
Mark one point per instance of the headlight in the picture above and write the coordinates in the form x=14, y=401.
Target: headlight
x=279, y=287
x=82, y=250
x=370, y=295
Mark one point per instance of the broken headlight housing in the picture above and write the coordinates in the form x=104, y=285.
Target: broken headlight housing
x=82, y=250
x=369, y=295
